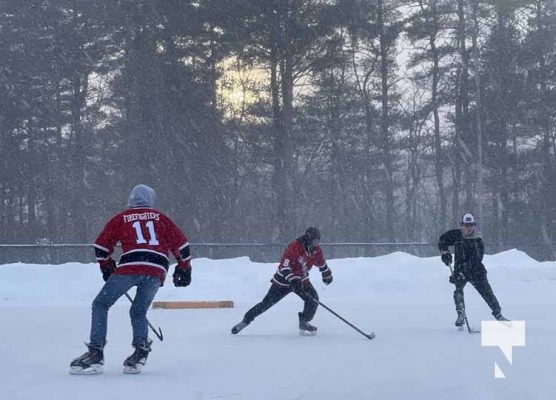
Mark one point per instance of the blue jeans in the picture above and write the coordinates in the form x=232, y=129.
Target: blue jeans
x=113, y=289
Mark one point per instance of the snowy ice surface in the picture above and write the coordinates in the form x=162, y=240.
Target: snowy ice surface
x=405, y=300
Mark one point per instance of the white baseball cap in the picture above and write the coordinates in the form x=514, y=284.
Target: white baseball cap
x=468, y=219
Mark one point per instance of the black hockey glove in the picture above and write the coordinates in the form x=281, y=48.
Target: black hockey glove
x=182, y=277
x=327, y=277
x=446, y=257
x=107, y=268
x=296, y=286
x=457, y=277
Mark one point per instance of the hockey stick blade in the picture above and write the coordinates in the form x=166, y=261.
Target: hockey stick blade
x=159, y=334
x=370, y=336
x=469, y=329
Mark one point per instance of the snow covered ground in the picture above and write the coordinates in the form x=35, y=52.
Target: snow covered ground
x=405, y=300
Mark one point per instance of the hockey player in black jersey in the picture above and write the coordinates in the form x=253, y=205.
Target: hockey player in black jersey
x=468, y=266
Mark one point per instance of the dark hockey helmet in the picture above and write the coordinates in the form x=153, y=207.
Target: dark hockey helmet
x=310, y=238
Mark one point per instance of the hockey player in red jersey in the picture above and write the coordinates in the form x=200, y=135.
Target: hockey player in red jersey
x=293, y=276
x=146, y=236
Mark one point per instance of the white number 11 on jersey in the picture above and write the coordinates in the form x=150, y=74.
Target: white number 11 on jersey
x=152, y=235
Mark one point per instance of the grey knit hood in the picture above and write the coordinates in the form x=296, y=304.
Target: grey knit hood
x=142, y=196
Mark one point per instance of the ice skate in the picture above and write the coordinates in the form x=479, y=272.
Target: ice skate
x=135, y=362
x=305, y=328
x=89, y=363
x=503, y=320
x=239, y=327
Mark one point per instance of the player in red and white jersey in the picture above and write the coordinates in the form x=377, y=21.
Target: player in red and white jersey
x=292, y=275
x=146, y=236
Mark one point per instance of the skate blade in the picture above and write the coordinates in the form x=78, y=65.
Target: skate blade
x=507, y=324
x=307, y=333
x=92, y=370
x=132, y=370
x=460, y=328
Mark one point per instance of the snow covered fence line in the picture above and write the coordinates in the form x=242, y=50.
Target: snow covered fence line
x=60, y=253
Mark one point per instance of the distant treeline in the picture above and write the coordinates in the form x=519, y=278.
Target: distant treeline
x=376, y=120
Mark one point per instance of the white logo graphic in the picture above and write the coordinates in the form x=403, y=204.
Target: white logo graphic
x=503, y=335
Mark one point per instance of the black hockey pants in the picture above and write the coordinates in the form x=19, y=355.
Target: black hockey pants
x=481, y=284
x=277, y=293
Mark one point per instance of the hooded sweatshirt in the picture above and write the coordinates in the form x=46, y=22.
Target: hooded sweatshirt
x=142, y=196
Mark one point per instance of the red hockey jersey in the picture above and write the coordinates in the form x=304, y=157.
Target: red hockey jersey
x=146, y=236
x=296, y=264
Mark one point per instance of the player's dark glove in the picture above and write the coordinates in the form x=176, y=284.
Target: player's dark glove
x=107, y=267
x=327, y=277
x=457, y=277
x=446, y=257
x=182, y=277
x=296, y=286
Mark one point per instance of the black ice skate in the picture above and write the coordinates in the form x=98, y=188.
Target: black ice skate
x=305, y=328
x=136, y=361
x=239, y=327
x=89, y=363
x=460, y=320
x=503, y=320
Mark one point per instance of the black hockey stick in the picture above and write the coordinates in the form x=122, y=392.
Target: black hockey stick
x=157, y=333
x=469, y=329
x=369, y=336
x=464, y=312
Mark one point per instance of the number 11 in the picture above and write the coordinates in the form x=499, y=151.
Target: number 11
x=152, y=235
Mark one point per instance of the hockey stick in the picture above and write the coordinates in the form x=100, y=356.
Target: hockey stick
x=159, y=333
x=464, y=312
x=369, y=336
x=469, y=329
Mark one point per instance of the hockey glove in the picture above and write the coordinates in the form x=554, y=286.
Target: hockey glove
x=296, y=286
x=107, y=267
x=446, y=257
x=182, y=277
x=457, y=277
x=327, y=277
